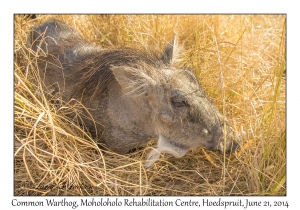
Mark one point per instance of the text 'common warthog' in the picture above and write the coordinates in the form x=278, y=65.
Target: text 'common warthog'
x=134, y=96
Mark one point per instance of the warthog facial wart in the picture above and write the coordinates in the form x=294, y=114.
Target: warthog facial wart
x=132, y=95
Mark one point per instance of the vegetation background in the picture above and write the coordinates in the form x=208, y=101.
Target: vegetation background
x=240, y=61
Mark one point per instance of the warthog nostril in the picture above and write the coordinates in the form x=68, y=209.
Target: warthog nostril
x=230, y=148
x=235, y=146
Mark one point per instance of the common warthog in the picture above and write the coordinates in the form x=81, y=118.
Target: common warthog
x=134, y=95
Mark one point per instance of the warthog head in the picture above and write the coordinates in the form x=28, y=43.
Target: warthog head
x=183, y=115
x=136, y=96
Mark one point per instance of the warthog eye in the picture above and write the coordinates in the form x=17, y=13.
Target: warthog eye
x=177, y=103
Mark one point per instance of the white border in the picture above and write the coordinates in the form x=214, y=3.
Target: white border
x=8, y=8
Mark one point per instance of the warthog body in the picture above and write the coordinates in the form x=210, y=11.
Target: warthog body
x=133, y=95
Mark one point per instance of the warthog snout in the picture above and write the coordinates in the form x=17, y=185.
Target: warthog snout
x=218, y=142
x=226, y=143
x=130, y=96
x=228, y=147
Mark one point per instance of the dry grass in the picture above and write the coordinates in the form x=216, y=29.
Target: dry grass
x=55, y=156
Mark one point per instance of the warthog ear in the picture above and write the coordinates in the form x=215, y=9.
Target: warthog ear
x=133, y=81
x=169, y=53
